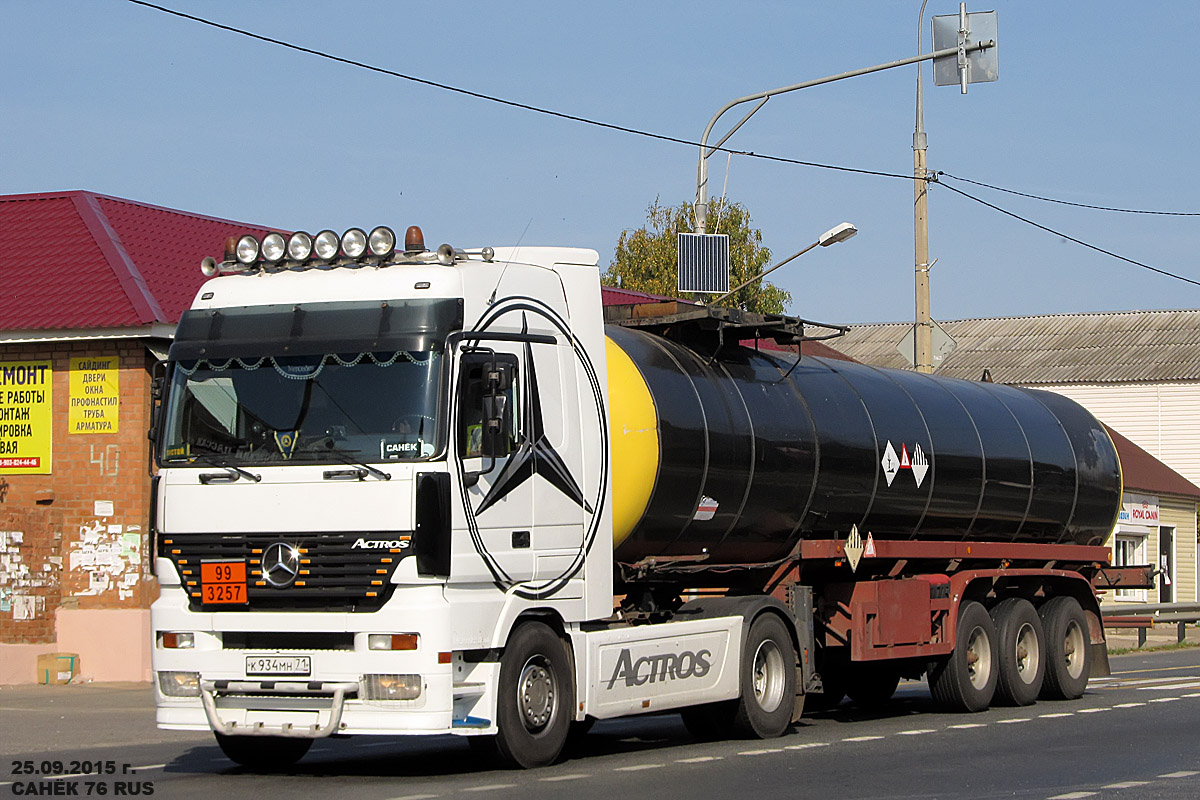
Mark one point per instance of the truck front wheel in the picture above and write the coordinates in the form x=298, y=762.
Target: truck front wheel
x=263, y=752
x=1067, y=659
x=966, y=679
x=768, y=680
x=533, y=711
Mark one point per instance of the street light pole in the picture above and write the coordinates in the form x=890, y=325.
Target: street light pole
x=923, y=335
x=838, y=233
x=707, y=150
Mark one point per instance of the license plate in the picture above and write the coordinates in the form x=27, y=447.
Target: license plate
x=278, y=665
x=223, y=582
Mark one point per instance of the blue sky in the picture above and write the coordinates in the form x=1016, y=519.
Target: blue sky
x=1095, y=104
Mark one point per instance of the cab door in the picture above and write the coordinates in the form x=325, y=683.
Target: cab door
x=493, y=507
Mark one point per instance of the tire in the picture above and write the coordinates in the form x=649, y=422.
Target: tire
x=966, y=679
x=263, y=752
x=871, y=684
x=1068, y=657
x=768, y=680
x=533, y=710
x=1022, y=645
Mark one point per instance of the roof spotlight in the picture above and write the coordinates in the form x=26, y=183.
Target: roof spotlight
x=326, y=245
x=274, y=247
x=382, y=242
x=248, y=250
x=300, y=246
x=354, y=243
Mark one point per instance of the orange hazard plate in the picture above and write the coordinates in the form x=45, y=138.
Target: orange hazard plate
x=223, y=582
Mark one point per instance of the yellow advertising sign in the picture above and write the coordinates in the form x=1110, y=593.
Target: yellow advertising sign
x=26, y=401
x=95, y=395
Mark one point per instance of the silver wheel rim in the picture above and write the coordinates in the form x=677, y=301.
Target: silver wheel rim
x=768, y=676
x=979, y=658
x=1028, y=655
x=1073, y=649
x=537, y=695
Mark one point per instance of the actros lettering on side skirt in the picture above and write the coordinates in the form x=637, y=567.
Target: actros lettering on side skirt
x=664, y=667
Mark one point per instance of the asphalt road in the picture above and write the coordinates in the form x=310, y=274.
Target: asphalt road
x=1134, y=735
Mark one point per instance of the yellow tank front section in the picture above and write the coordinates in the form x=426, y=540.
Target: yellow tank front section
x=633, y=431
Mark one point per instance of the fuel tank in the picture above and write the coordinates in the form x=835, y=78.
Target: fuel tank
x=740, y=456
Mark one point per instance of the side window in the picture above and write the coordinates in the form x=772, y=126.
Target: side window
x=488, y=405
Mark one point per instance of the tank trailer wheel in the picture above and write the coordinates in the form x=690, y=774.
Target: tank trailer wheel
x=1068, y=660
x=966, y=679
x=263, y=752
x=1021, y=640
x=764, y=708
x=535, y=698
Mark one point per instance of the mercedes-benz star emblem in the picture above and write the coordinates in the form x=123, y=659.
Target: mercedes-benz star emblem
x=281, y=565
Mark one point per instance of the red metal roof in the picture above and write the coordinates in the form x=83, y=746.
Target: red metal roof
x=79, y=260
x=1142, y=471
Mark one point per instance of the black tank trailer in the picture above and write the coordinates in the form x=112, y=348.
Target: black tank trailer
x=756, y=452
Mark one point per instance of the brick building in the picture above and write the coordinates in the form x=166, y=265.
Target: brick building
x=90, y=290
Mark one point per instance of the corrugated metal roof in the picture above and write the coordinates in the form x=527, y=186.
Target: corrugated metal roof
x=1107, y=347
x=80, y=260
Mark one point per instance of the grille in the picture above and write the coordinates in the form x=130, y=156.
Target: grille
x=333, y=576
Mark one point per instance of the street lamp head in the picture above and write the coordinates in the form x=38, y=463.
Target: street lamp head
x=839, y=233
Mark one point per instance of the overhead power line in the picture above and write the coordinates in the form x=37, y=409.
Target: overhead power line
x=1067, y=237
x=941, y=175
x=502, y=101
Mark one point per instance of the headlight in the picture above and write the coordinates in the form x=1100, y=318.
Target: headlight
x=354, y=243
x=326, y=245
x=300, y=246
x=382, y=242
x=274, y=246
x=179, y=684
x=391, y=687
x=247, y=250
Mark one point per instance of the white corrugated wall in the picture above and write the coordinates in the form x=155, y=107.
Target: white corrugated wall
x=1163, y=419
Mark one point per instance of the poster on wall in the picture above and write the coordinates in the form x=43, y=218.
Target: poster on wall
x=26, y=440
x=95, y=395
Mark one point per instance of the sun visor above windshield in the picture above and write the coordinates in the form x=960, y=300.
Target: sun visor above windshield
x=310, y=328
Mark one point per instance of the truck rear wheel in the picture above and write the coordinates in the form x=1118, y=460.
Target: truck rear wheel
x=533, y=709
x=1068, y=663
x=768, y=680
x=966, y=679
x=1021, y=641
x=263, y=752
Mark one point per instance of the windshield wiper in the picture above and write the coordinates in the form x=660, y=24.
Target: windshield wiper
x=212, y=459
x=347, y=457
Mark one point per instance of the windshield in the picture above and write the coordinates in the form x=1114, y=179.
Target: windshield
x=327, y=407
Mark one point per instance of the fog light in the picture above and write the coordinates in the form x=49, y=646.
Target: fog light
x=179, y=684
x=326, y=245
x=382, y=242
x=247, y=250
x=300, y=246
x=354, y=243
x=274, y=247
x=392, y=641
x=172, y=640
x=391, y=687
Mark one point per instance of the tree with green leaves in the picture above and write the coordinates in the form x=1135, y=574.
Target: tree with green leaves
x=646, y=258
